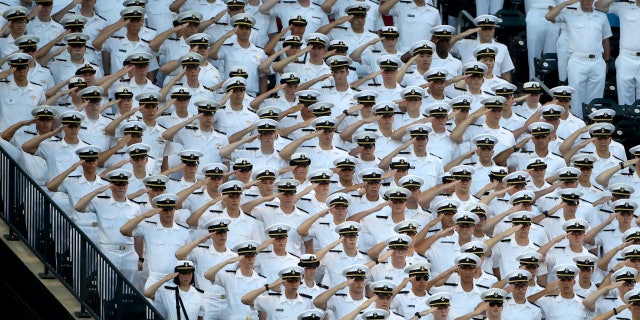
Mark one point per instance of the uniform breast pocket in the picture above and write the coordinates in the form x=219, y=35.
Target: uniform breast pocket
x=631, y=17
x=9, y=101
x=158, y=243
x=281, y=314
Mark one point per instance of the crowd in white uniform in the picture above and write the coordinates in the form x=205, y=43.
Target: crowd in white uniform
x=387, y=172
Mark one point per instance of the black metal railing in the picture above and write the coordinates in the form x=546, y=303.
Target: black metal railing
x=67, y=253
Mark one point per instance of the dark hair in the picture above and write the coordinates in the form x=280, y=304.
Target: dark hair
x=193, y=278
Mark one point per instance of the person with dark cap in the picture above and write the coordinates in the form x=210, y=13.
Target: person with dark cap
x=188, y=170
x=18, y=91
x=127, y=134
x=608, y=235
x=290, y=35
x=17, y=15
x=566, y=303
x=209, y=250
x=563, y=248
x=367, y=53
x=282, y=96
x=275, y=305
x=466, y=293
x=265, y=154
x=439, y=304
x=189, y=77
x=588, y=275
x=471, y=84
x=183, y=299
x=116, y=48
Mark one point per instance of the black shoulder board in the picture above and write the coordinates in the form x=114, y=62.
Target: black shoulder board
x=435, y=156
x=138, y=202
x=274, y=293
x=104, y=197
x=99, y=16
x=605, y=210
x=505, y=240
x=376, y=51
x=216, y=211
x=305, y=295
x=31, y=133
x=262, y=276
x=386, y=184
x=227, y=44
x=405, y=152
x=451, y=242
x=173, y=39
x=203, y=246
x=174, y=179
x=489, y=93
x=335, y=250
x=450, y=284
x=191, y=127
x=171, y=287
x=117, y=37
x=327, y=87
x=78, y=176
x=248, y=215
x=322, y=286
x=340, y=294
x=199, y=290
x=461, y=89
x=481, y=286
x=341, y=27
x=571, y=8
x=230, y=271
x=563, y=247
x=152, y=222
x=218, y=131
x=37, y=84
x=382, y=217
x=182, y=226
x=305, y=199
x=305, y=211
x=145, y=40
x=271, y=205
x=252, y=148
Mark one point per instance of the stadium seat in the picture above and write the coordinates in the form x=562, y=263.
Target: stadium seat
x=602, y=103
x=547, y=69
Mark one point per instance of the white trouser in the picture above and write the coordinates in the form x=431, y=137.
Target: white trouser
x=586, y=74
x=562, y=49
x=215, y=305
x=628, y=76
x=488, y=6
x=541, y=37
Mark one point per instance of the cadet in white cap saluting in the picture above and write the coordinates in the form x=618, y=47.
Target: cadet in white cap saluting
x=414, y=21
x=271, y=305
x=518, y=306
x=112, y=212
x=32, y=96
x=566, y=303
x=240, y=281
x=277, y=257
x=182, y=297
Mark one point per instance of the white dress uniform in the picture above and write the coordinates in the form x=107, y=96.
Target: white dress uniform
x=463, y=302
x=39, y=75
x=120, y=48
x=260, y=159
x=194, y=138
x=439, y=255
x=524, y=311
x=407, y=303
x=414, y=22
x=542, y=34
x=276, y=306
x=503, y=62
x=192, y=301
x=16, y=102
x=243, y=228
x=373, y=21
x=314, y=15
x=46, y=30
x=586, y=67
x=236, y=286
x=158, y=240
x=519, y=160
x=628, y=61
x=505, y=252
x=77, y=187
x=557, y=307
x=92, y=27
x=231, y=121
x=269, y=264
x=111, y=216
x=59, y=155
x=232, y=54
x=271, y=214
x=214, y=296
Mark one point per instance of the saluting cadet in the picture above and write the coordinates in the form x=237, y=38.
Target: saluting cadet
x=531, y=103
x=37, y=73
x=518, y=307
x=560, y=251
x=441, y=36
x=342, y=304
x=486, y=53
x=284, y=211
x=237, y=283
x=485, y=28
x=112, y=212
x=160, y=236
x=421, y=54
x=504, y=253
x=58, y=153
x=408, y=303
x=465, y=294
x=566, y=305
x=115, y=48
x=587, y=277
x=20, y=94
x=184, y=298
x=128, y=133
x=65, y=67
x=611, y=295
x=191, y=66
x=94, y=133
x=170, y=48
x=393, y=269
x=276, y=305
x=283, y=10
x=414, y=20
x=271, y=261
x=17, y=15
x=138, y=82
x=309, y=286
